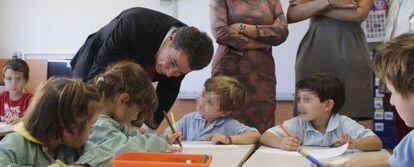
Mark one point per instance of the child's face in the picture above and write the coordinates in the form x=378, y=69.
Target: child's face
x=209, y=106
x=405, y=107
x=309, y=105
x=126, y=113
x=79, y=138
x=14, y=80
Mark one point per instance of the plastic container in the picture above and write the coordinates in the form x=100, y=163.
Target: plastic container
x=133, y=159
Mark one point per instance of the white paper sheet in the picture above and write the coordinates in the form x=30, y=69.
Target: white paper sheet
x=339, y=161
x=316, y=152
x=204, y=144
x=5, y=127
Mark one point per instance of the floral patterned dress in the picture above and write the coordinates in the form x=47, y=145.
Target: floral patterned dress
x=255, y=69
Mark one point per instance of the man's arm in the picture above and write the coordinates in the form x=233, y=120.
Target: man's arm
x=167, y=91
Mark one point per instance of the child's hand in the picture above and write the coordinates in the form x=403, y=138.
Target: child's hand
x=343, y=139
x=171, y=137
x=141, y=130
x=13, y=120
x=172, y=148
x=218, y=139
x=290, y=143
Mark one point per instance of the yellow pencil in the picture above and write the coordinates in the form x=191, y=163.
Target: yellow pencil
x=173, y=120
x=60, y=163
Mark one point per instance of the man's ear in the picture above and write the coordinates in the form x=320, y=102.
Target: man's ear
x=329, y=104
x=171, y=37
x=123, y=98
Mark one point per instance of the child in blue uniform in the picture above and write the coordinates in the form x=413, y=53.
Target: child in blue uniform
x=213, y=121
x=318, y=124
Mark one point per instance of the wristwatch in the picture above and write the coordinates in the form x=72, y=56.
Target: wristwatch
x=242, y=28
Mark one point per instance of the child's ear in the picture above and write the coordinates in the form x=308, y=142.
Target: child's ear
x=123, y=98
x=329, y=104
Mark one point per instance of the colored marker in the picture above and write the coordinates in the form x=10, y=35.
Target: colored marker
x=310, y=158
x=285, y=130
x=204, y=158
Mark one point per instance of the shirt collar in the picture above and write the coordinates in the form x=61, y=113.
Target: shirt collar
x=19, y=128
x=217, y=122
x=332, y=124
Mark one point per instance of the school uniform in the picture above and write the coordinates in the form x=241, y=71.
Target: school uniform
x=22, y=149
x=110, y=133
x=403, y=155
x=193, y=127
x=309, y=136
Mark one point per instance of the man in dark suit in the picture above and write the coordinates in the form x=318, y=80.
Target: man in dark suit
x=165, y=47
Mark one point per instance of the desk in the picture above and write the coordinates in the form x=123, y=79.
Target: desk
x=223, y=155
x=5, y=129
x=264, y=159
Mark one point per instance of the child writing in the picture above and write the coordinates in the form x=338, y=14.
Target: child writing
x=129, y=100
x=318, y=124
x=213, y=121
x=14, y=100
x=56, y=128
x=394, y=63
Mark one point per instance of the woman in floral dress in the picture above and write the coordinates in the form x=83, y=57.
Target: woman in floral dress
x=245, y=31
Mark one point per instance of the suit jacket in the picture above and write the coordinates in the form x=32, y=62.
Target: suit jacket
x=136, y=34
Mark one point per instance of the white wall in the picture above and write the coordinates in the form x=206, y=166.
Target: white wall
x=56, y=25
x=61, y=26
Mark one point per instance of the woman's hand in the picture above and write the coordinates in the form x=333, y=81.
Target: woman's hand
x=343, y=3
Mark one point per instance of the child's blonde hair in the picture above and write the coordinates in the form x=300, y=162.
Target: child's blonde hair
x=61, y=104
x=394, y=62
x=232, y=93
x=130, y=78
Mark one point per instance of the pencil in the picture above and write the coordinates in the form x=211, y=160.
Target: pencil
x=60, y=163
x=285, y=130
x=172, y=128
x=173, y=120
x=310, y=158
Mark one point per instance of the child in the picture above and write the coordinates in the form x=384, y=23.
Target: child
x=394, y=63
x=56, y=128
x=213, y=122
x=130, y=100
x=14, y=100
x=318, y=124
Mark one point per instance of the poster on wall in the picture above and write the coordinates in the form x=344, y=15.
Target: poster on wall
x=374, y=25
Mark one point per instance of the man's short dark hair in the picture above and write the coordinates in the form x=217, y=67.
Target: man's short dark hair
x=325, y=87
x=198, y=46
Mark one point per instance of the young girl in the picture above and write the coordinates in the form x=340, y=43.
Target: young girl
x=56, y=128
x=129, y=100
x=14, y=100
